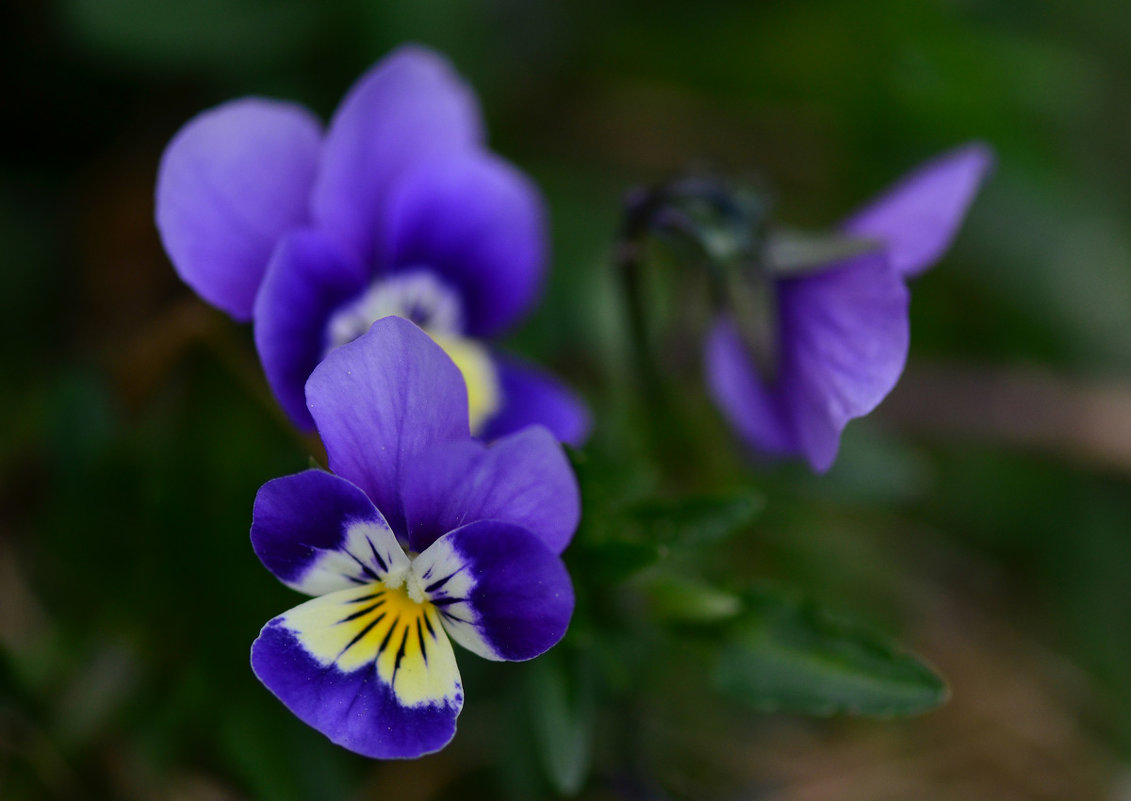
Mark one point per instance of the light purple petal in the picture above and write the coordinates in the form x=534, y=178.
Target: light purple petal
x=844, y=336
x=306, y=281
x=919, y=216
x=532, y=396
x=523, y=479
x=752, y=405
x=500, y=591
x=371, y=681
x=478, y=223
x=231, y=182
x=382, y=399
x=318, y=533
x=409, y=107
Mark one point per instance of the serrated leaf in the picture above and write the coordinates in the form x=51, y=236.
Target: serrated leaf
x=792, y=656
x=562, y=707
x=699, y=520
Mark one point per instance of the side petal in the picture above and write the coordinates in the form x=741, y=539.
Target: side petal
x=318, y=533
x=306, y=281
x=523, y=479
x=919, y=216
x=409, y=107
x=477, y=222
x=751, y=404
x=500, y=591
x=843, y=342
x=532, y=396
x=231, y=182
x=378, y=679
x=382, y=399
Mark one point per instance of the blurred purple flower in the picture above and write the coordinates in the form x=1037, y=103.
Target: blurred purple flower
x=396, y=209
x=842, y=332
x=420, y=534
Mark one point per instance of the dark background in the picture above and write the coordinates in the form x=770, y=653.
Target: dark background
x=982, y=514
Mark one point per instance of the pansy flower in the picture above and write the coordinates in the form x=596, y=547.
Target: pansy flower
x=397, y=208
x=420, y=535
x=842, y=331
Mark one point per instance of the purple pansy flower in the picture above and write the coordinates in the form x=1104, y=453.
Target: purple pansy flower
x=396, y=209
x=421, y=533
x=842, y=332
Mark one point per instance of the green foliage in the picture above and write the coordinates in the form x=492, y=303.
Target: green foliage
x=789, y=655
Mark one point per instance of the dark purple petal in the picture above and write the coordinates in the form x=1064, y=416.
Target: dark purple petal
x=919, y=216
x=382, y=399
x=523, y=479
x=318, y=533
x=531, y=396
x=231, y=182
x=306, y=281
x=409, y=107
x=356, y=709
x=478, y=223
x=500, y=591
x=843, y=343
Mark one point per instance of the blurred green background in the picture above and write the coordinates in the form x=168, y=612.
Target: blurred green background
x=982, y=515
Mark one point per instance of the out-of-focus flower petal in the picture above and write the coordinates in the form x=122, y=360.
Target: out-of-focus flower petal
x=843, y=343
x=318, y=533
x=368, y=668
x=531, y=396
x=231, y=182
x=501, y=593
x=306, y=280
x=477, y=222
x=410, y=107
x=523, y=479
x=381, y=400
x=919, y=216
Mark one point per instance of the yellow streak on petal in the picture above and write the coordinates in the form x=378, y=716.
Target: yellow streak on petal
x=381, y=627
x=473, y=360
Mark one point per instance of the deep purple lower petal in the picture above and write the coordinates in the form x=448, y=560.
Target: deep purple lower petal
x=305, y=282
x=355, y=709
x=231, y=182
x=500, y=591
x=532, y=396
x=523, y=479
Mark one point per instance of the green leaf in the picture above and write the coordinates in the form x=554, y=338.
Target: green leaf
x=562, y=707
x=790, y=655
x=700, y=520
x=687, y=601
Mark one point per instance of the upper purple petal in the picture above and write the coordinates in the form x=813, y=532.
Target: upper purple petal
x=409, y=107
x=532, y=396
x=231, y=182
x=842, y=345
x=306, y=281
x=500, y=591
x=919, y=216
x=382, y=399
x=523, y=479
x=480, y=224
